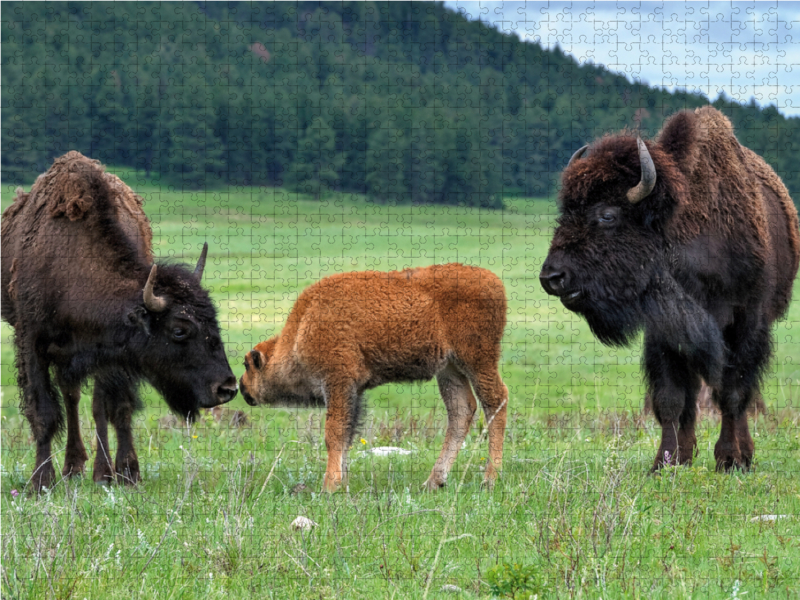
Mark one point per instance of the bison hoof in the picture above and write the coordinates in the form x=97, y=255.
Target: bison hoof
x=103, y=474
x=488, y=484
x=128, y=476
x=44, y=477
x=432, y=484
x=727, y=463
x=73, y=468
x=331, y=484
x=729, y=456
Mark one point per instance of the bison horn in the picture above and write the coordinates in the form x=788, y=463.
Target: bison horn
x=577, y=154
x=201, y=263
x=152, y=302
x=648, y=181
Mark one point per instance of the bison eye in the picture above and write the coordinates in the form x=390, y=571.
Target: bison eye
x=179, y=334
x=607, y=217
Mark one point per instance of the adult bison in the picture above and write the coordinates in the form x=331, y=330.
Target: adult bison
x=693, y=238
x=80, y=289
x=355, y=331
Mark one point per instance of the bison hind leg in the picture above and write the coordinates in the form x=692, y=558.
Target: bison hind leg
x=493, y=395
x=75, y=456
x=461, y=406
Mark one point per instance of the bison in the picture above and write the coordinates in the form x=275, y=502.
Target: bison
x=693, y=238
x=355, y=331
x=81, y=291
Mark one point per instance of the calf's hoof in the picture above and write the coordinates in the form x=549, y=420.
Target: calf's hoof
x=432, y=484
x=331, y=483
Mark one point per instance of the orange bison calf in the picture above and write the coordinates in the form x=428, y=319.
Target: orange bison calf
x=355, y=331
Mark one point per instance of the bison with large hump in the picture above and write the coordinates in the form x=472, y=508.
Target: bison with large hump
x=693, y=238
x=81, y=291
x=352, y=332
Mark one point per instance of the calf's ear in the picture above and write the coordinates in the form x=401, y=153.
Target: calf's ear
x=139, y=317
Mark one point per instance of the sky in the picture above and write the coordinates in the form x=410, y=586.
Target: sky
x=745, y=49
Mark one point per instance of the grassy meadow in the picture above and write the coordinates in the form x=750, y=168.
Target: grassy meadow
x=575, y=509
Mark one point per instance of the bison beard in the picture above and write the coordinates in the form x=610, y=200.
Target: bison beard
x=80, y=289
x=694, y=239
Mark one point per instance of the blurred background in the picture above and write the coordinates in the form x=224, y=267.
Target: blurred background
x=461, y=103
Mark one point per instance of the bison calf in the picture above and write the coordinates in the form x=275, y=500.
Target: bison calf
x=355, y=331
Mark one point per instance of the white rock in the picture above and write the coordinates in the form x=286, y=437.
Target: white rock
x=387, y=450
x=453, y=589
x=768, y=518
x=303, y=523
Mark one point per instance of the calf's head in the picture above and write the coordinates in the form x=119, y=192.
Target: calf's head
x=253, y=383
x=182, y=354
x=609, y=247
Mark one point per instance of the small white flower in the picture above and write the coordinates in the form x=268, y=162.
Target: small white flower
x=303, y=523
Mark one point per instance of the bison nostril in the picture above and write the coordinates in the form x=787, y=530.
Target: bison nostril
x=552, y=280
x=227, y=391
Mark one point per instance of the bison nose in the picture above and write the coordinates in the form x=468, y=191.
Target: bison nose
x=226, y=391
x=554, y=280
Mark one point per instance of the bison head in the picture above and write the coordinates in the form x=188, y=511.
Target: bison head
x=610, y=254
x=182, y=353
x=269, y=378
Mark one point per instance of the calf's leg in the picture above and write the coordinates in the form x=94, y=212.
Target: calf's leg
x=341, y=421
x=493, y=394
x=461, y=406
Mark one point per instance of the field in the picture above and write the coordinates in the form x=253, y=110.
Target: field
x=574, y=510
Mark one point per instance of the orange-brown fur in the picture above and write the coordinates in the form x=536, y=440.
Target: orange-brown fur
x=355, y=331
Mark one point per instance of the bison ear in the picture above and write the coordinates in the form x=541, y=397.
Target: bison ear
x=139, y=317
x=679, y=138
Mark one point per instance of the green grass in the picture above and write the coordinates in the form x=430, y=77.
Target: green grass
x=213, y=515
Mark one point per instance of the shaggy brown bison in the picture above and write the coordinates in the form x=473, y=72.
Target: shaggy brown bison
x=693, y=238
x=80, y=289
x=355, y=331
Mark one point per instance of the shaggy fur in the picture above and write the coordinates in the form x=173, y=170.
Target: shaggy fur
x=355, y=331
x=704, y=264
x=76, y=253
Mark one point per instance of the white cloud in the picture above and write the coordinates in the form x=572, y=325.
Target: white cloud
x=746, y=49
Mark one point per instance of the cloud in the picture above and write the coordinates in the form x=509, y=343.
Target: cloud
x=744, y=49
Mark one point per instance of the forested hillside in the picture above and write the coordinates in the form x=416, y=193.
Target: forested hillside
x=406, y=102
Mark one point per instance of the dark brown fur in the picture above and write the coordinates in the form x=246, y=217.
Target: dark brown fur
x=76, y=253
x=704, y=264
x=355, y=331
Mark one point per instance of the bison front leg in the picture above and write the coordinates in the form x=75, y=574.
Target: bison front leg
x=103, y=472
x=341, y=420
x=673, y=389
x=75, y=456
x=461, y=407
